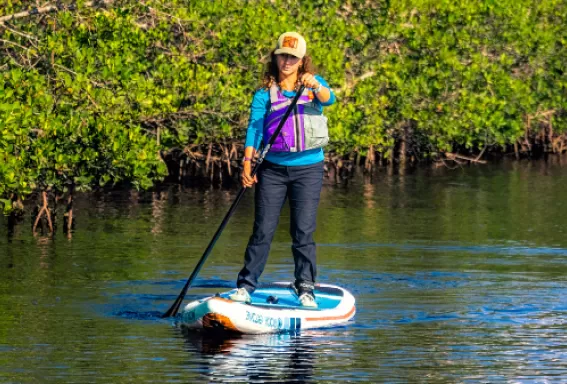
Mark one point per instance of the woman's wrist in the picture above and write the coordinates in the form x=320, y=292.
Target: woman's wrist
x=318, y=88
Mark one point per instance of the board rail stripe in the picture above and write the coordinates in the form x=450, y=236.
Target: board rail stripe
x=341, y=317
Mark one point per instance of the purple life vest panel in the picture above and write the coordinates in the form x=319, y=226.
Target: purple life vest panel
x=305, y=128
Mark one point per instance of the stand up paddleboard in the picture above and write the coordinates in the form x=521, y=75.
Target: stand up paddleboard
x=274, y=308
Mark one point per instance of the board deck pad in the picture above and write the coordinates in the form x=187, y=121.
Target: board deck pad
x=286, y=297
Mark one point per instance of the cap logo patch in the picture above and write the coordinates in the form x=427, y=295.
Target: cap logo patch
x=289, y=42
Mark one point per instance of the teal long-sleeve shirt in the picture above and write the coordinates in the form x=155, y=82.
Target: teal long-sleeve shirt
x=260, y=108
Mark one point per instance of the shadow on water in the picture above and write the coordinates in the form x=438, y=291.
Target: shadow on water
x=133, y=315
x=278, y=358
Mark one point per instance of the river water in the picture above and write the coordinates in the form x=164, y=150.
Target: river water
x=460, y=276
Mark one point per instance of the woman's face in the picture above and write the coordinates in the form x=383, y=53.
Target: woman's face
x=288, y=64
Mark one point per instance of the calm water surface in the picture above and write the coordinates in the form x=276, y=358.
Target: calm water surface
x=460, y=276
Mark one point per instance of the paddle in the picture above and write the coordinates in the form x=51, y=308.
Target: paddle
x=175, y=307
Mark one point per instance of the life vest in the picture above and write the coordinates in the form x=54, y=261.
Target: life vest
x=305, y=128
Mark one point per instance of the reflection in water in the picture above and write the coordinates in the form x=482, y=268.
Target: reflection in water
x=43, y=243
x=159, y=203
x=134, y=204
x=278, y=358
x=368, y=193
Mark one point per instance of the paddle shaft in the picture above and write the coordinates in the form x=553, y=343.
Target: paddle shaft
x=172, y=311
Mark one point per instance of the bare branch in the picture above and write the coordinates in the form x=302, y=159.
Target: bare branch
x=12, y=43
x=51, y=8
x=76, y=74
x=30, y=37
x=455, y=157
x=351, y=84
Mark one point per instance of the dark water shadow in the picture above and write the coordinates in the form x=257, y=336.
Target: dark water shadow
x=134, y=315
x=136, y=299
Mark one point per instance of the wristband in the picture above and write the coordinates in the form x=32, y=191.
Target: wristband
x=318, y=89
x=246, y=159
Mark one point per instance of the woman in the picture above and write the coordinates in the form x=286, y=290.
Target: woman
x=292, y=169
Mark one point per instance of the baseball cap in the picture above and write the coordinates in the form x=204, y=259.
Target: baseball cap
x=291, y=43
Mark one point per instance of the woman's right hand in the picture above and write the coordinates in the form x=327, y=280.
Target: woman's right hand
x=246, y=178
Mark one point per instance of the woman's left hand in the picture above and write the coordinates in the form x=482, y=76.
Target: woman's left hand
x=309, y=80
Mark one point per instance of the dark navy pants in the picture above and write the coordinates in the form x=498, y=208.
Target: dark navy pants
x=276, y=183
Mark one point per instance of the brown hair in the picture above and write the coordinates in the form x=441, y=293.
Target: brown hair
x=272, y=72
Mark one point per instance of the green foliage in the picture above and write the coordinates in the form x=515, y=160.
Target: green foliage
x=83, y=92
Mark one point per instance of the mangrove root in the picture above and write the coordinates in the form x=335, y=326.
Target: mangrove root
x=44, y=210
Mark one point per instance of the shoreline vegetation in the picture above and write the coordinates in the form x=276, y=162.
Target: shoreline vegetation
x=95, y=94
x=60, y=208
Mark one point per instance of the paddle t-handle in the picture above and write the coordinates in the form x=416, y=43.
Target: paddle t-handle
x=172, y=311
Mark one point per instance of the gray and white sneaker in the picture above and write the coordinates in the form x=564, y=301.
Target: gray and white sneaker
x=303, y=287
x=307, y=300
x=241, y=295
x=304, y=292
